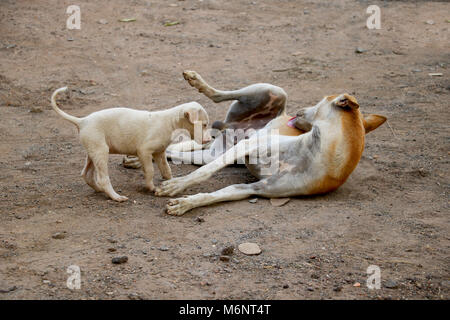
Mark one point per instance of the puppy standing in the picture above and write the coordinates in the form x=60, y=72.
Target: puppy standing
x=133, y=132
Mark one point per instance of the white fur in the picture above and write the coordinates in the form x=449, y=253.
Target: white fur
x=132, y=132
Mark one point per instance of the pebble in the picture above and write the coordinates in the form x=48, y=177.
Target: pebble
x=112, y=249
x=360, y=50
x=199, y=219
x=59, y=235
x=163, y=248
x=224, y=258
x=119, y=260
x=279, y=202
x=337, y=289
x=227, y=251
x=35, y=110
x=253, y=200
x=249, y=248
x=8, y=290
x=102, y=21
x=285, y=286
x=391, y=284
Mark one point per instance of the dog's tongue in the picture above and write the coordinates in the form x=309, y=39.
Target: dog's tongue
x=291, y=122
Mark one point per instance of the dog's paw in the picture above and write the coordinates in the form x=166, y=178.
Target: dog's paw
x=196, y=81
x=131, y=162
x=120, y=198
x=177, y=207
x=170, y=187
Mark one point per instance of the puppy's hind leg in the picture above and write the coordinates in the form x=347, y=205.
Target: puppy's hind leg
x=88, y=174
x=100, y=159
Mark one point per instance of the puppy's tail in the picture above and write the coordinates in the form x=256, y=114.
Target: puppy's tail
x=76, y=121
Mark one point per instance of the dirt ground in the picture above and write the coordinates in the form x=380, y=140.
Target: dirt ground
x=392, y=212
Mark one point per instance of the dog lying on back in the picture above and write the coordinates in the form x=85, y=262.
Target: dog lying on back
x=317, y=151
x=133, y=132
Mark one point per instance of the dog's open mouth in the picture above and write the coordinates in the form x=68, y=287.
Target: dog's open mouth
x=291, y=122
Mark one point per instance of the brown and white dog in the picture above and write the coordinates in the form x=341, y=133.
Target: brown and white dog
x=315, y=156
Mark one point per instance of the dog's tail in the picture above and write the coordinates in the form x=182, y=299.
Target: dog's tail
x=76, y=121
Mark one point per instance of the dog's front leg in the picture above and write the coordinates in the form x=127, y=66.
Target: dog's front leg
x=177, y=207
x=146, y=158
x=174, y=186
x=163, y=165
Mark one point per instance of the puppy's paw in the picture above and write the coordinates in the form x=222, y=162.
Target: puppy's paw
x=170, y=187
x=177, y=207
x=120, y=198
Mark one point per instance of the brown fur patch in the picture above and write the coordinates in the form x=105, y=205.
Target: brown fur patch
x=331, y=98
x=342, y=162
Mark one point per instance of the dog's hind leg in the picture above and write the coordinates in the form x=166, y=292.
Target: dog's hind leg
x=88, y=174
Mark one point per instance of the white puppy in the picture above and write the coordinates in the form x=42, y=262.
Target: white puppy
x=133, y=132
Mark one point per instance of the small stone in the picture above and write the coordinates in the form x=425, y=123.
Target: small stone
x=430, y=22
x=249, y=248
x=46, y=281
x=360, y=50
x=163, y=248
x=391, y=284
x=357, y=284
x=227, y=251
x=253, y=200
x=285, y=286
x=8, y=289
x=200, y=219
x=279, y=202
x=119, y=260
x=134, y=296
x=102, y=21
x=337, y=289
x=224, y=258
x=35, y=110
x=111, y=240
x=70, y=39
x=59, y=235
x=436, y=74
x=112, y=249
x=310, y=289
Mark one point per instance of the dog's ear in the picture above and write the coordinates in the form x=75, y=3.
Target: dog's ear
x=373, y=121
x=191, y=116
x=346, y=100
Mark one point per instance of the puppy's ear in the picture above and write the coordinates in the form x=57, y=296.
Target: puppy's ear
x=373, y=121
x=346, y=100
x=191, y=116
